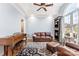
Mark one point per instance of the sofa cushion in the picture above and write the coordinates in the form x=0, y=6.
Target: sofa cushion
x=42, y=37
x=42, y=33
x=48, y=34
x=53, y=44
x=47, y=37
x=37, y=37
x=37, y=34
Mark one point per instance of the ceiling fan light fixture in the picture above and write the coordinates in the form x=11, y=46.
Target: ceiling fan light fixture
x=43, y=6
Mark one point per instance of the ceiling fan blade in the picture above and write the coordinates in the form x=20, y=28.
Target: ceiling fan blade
x=45, y=9
x=49, y=5
x=38, y=9
x=36, y=4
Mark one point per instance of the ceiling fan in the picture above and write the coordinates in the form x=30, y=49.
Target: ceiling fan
x=43, y=6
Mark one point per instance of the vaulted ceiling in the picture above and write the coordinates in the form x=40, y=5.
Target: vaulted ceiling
x=28, y=9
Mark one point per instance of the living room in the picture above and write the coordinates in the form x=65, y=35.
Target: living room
x=39, y=29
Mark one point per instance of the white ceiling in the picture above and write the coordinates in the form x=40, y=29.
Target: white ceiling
x=30, y=9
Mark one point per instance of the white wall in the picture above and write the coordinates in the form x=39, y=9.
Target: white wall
x=9, y=21
x=39, y=24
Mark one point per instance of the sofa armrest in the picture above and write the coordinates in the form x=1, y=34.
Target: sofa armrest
x=65, y=51
x=34, y=35
x=51, y=36
x=72, y=45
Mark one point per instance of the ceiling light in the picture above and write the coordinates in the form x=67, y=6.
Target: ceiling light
x=32, y=17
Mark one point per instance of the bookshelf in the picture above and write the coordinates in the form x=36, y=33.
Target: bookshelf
x=57, y=24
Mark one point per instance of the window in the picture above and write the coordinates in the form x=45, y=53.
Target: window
x=75, y=17
x=75, y=24
x=67, y=19
x=71, y=22
x=67, y=24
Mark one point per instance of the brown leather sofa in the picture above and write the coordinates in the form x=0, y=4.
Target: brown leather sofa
x=72, y=45
x=42, y=37
x=70, y=49
x=65, y=51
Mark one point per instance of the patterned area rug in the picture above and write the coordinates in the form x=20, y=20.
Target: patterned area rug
x=34, y=52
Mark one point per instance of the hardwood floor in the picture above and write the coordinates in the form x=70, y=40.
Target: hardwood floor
x=30, y=43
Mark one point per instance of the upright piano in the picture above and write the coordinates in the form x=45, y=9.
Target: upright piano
x=10, y=42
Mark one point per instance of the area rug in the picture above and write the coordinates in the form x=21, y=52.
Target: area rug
x=34, y=52
x=29, y=52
